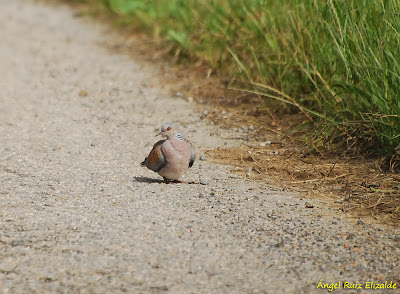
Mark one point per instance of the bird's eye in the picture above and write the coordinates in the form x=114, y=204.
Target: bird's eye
x=169, y=128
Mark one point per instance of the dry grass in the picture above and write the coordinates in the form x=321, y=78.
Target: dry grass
x=358, y=186
x=367, y=187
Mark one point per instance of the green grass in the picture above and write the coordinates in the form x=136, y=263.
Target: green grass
x=337, y=61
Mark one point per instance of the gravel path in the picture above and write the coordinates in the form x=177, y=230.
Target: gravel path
x=79, y=215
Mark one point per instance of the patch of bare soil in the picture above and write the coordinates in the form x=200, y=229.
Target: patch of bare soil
x=270, y=151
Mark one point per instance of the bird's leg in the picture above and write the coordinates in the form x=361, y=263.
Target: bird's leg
x=177, y=182
x=168, y=181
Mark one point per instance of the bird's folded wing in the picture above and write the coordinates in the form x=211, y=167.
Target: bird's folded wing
x=156, y=160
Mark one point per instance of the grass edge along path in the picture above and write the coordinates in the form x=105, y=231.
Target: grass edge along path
x=337, y=61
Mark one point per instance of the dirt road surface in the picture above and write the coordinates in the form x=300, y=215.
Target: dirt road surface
x=79, y=215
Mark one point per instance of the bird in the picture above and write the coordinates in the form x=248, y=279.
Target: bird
x=171, y=157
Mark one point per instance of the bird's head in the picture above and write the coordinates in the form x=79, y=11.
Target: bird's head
x=169, y=129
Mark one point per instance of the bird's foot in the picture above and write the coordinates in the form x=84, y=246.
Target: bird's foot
x=167, y=181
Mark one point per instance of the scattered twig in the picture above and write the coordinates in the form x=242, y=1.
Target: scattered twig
x=330, y=171
x=377, y=203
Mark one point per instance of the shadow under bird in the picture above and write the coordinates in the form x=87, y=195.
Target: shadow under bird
x=171, y=157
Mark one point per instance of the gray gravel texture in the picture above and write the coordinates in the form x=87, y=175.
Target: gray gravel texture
x=79, y=215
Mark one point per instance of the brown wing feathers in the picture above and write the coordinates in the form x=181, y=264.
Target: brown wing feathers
x=156, y=160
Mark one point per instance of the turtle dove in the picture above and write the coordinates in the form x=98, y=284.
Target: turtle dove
x=171, y=157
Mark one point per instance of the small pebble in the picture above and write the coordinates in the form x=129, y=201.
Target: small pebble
x=263, y=144
x=83, y=93
x=178, y=94
x=202, y=157
x=309, y=205
x=248, y=174
x=360, y=222
x=190, y=99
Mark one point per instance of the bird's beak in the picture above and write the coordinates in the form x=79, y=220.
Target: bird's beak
x=159, y=134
